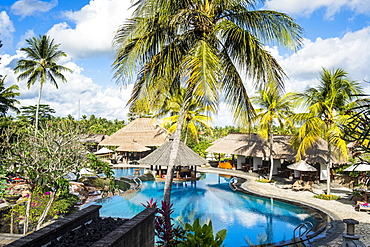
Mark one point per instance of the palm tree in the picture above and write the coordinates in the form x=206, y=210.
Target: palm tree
x=41, y=65
x=7, y=97
x=196, y=115
x=203, y=46
x=357, y=129
x=273, y=107
x=326, y=105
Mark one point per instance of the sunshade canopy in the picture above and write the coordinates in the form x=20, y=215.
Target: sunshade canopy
x=185, y=157
x=302, y=166
x=132, y=147
x=103, y=150
x=363, y=166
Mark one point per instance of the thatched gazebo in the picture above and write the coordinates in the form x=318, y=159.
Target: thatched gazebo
x=186, y=162
x=132, y=147
x=137, y=139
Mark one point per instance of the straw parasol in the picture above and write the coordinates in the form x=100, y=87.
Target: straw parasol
x=185, y=157
x=361, y=166
x=132, y=147
x=302, y=166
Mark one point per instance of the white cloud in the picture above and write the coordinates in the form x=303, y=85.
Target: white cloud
x=79, y=96
x=95, y=25
x=6, y=28
x=349, y=53
x=306, y=8
x=30, y=7
x=29, y=34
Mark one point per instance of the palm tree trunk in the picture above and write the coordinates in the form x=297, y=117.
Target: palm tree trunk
x=37, y=109
x=173, y=156
x=271, y=143
x=175, y=146
x=328, y=179
x=46, y=210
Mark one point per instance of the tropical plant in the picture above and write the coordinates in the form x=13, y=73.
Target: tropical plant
x=272, y=107
x=357, y=129
x=41, y=65
x=7, y=97
x=139, y=110
x=61, y=205
x=195, y=115
x=202, y=235
x=202, y=46
x=167, y=234
x=44, y=113
x=42, y=160
x=326, y=105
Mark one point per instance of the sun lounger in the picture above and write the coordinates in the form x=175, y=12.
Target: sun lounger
x=308, y=186
x=297, y=185
x=364, y=206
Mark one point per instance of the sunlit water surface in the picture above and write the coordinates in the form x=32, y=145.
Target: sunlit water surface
x=247, y=218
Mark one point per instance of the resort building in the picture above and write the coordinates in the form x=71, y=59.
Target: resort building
x=252, y=154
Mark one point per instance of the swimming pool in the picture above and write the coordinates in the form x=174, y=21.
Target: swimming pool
x=247, y=218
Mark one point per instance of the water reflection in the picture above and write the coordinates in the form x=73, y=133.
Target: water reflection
x=246, y=217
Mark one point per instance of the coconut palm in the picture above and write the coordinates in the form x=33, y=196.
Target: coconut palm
x=7, y=97
x=326, y=105
x=196, y=115
x=41, y=65
x=357, y=129
x=271, y=107
x=204, y=46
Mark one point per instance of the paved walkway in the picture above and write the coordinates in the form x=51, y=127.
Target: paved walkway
x=340, y=209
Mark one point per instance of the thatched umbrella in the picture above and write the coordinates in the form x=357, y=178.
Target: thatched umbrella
x=132, y=147
x=302, y=166
x=161, y=156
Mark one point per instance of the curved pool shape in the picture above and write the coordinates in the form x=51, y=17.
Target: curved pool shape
x=248, y=219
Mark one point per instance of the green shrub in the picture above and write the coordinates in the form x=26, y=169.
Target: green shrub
x=263, y=180
x=201, y=235
x=61, y=205
x=327, y=197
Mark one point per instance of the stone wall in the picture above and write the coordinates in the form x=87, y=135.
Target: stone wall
x=135, y=232
x=58, y=228
x=138, y=232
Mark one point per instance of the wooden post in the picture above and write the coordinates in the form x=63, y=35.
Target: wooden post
x=12, y=223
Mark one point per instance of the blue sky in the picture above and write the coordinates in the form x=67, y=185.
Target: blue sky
x=336, y=35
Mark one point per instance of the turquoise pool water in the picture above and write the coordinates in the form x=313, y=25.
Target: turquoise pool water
x=248, y=219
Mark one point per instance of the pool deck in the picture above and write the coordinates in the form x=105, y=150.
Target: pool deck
x=339, y=210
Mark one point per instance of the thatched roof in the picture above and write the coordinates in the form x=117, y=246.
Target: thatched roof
x=145, y=131
x=161, y=156
x=252, y=145
x=132, y=147
x=92, y=138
